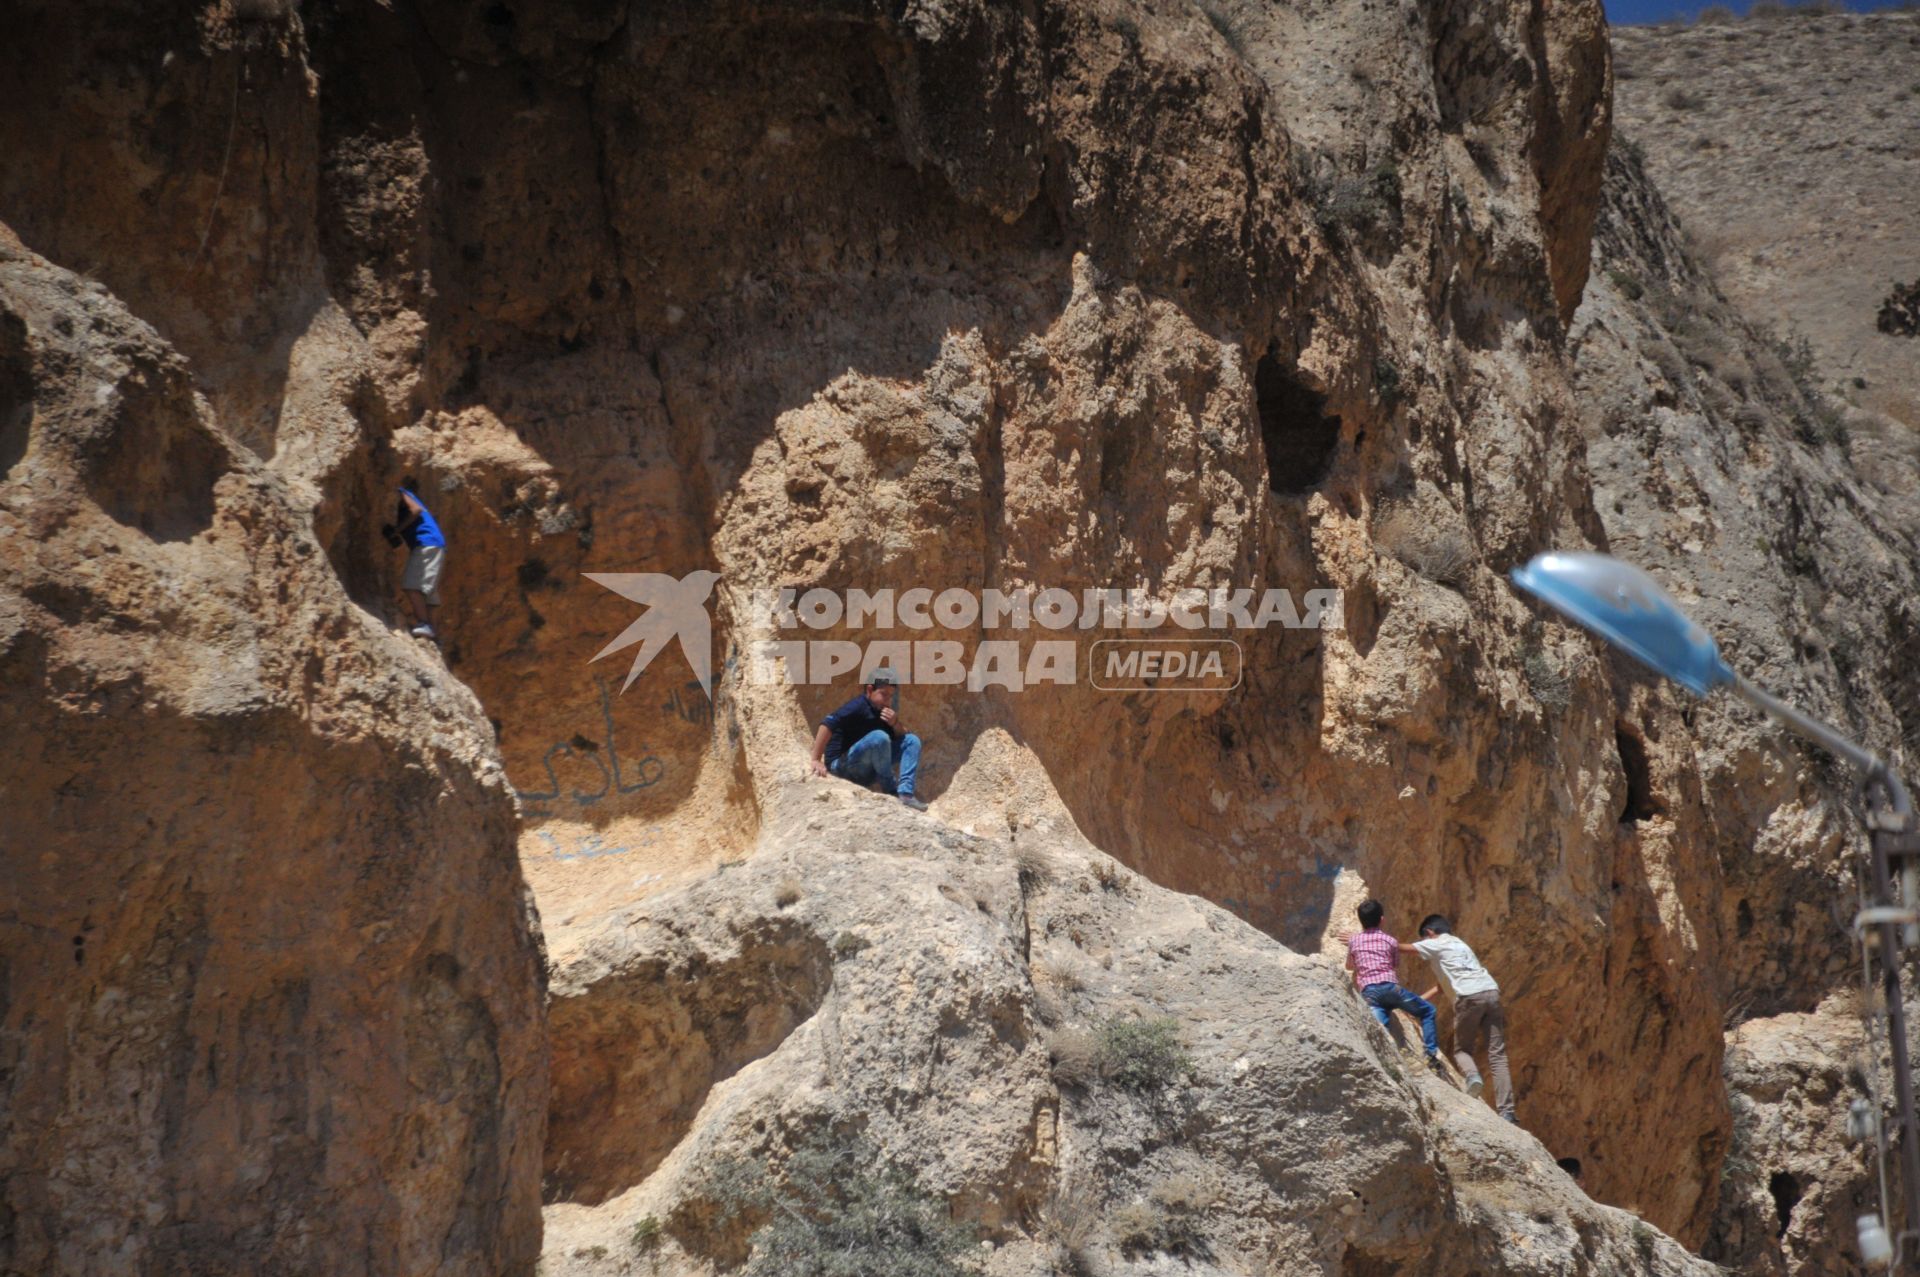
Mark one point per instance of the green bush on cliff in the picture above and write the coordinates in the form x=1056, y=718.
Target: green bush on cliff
x=1143, y=1055
x=837, y=1209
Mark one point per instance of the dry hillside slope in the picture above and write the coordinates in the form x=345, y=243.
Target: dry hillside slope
x=1789, y=149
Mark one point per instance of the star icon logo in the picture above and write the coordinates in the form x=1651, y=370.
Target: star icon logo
x=676, y=610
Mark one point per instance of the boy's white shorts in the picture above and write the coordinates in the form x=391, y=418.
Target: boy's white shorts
x=424, y=563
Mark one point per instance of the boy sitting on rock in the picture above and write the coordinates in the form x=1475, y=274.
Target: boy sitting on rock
x=862, y=742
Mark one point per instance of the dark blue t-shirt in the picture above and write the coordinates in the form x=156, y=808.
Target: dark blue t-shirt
x=848, y=724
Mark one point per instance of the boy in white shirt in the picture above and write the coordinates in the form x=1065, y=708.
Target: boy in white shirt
x=1476, y=1007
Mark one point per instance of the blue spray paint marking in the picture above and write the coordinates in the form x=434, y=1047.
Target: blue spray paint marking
x=592, y=848
x=1308, y=917
x=682, y=704
x=1302, y=919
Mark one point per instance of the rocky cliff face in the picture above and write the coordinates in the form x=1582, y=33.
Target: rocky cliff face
x=944, y=995
x=1712, y=459
x=272, y=981
x=1076, y=294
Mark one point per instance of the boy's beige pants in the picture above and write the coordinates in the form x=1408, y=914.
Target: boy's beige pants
x=1475, y=1016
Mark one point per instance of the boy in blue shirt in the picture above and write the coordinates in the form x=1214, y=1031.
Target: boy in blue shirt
x=426, y=556
x=862, y=742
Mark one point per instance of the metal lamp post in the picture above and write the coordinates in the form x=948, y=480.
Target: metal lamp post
x=1627, y=608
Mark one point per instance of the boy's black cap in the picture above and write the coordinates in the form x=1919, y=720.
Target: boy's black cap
x=883, y=677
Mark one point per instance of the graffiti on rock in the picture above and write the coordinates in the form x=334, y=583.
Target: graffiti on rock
x=615, y=776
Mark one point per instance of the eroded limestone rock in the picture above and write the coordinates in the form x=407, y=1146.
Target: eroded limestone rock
x=1094, y=293
x=965, y=975
x=272, y=984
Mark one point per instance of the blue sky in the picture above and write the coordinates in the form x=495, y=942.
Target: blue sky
x=1626, y=12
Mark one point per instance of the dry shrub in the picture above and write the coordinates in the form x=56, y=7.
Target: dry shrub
x=1628, y=283
x=1708, y=348
x=1663, y=355
x=1049, y=1006
x=1171, y=1219
x=1143, y=1055
x=1719, y=401
x=838, y=1207
x=1550, y=684
x=1734, y=372
x=1137, y=1227
x=1358, y=201
x=1438, y=552
x=787, y=893
x=1071, y=1218
x=1900, y=311
x=1714, y=15
x=1736, y=1012
x=1076, y=1056
x=1185, y=1198
x=1034, y=866
x=1111, y=877
x=1224, y=24
x=1702, y=348
x=1188, y=1192
x=1061, y=971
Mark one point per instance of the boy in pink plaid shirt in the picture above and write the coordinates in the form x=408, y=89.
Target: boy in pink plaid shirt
x=1374, y=958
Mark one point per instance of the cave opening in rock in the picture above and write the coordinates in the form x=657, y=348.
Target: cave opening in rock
x=1298, y=435
x=349, y=531
x=1358, y=1263
x=16, y=392
x=1786, y=1190
x=157, y=465
x=1641, y=803
x=636, y=1053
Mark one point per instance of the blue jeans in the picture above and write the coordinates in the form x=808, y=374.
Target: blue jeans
x=1388, y=996
x=876, y=756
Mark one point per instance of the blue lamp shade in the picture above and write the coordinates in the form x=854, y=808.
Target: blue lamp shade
x=1627, y=608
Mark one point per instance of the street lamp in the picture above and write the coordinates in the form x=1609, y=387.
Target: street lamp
x=1627, y=608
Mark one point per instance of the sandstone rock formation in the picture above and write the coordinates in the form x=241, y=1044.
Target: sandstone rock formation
x=938, y=991
x=1078, y=294
x=271, y=981
x=1793, y=1186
